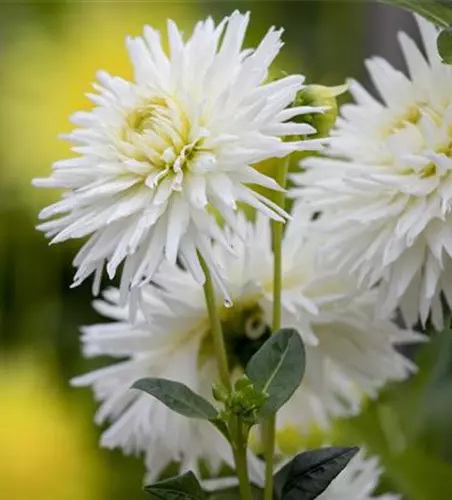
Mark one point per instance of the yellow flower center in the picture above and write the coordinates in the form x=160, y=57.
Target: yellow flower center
x=158, y=133
x=413, y=117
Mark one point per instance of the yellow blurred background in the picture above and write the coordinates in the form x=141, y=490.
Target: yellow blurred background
x=49, y=55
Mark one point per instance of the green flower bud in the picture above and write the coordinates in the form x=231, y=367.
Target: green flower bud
x=243, y=383
x=220, y=393
x=236, y=404
x=246, y=401
x=324, y=97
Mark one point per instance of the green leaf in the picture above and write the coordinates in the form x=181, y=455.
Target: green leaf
x=178, y=397
x=184, y=487
x=310, y=473
x=444, y=43
x=277, y=368
x=438, y=12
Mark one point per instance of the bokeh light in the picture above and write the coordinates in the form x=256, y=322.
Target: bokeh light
x=44, y=447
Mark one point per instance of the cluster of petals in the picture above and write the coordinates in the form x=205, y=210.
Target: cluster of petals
x=385, y=187
x=159, y=159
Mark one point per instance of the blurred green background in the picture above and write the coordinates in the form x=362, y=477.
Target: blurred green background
x=49, y=53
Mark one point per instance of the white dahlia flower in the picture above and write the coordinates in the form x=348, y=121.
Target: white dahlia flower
x=171, y=343
x=349, y=354
x=157, y=155
x=385, y=189
x=358, y=481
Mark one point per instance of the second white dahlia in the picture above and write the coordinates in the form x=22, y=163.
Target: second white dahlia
x=385, y=190
x=156, y=155
x=349, y=355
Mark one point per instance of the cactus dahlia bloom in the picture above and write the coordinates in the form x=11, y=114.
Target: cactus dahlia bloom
x=159, y=155
x=385, y=187
x=348, y=353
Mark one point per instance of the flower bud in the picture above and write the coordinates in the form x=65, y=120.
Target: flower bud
x=220, y=393
x=242, y=383
x=323, y=121
x=322, y=97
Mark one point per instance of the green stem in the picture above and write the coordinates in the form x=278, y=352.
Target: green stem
x=277, y=228
x=215, y=327
x=269, y=452
x=239, y=441
x=239, y=447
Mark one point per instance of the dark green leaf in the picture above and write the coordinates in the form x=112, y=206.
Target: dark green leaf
x=178, y=397
x=438, y=12
x=277, y=368
x=184, y=487
x=310, y=473
x=444, y=43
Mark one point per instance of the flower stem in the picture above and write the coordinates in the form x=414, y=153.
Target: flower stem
x=277, y=228
x=239, y=447
x=239, y=440
x=215, y=327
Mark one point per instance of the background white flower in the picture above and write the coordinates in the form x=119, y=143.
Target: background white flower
x=155, y=155
x=358, y=481
x=386, y=188
x=168, y=347
x=168, y=344
x=348, y=354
